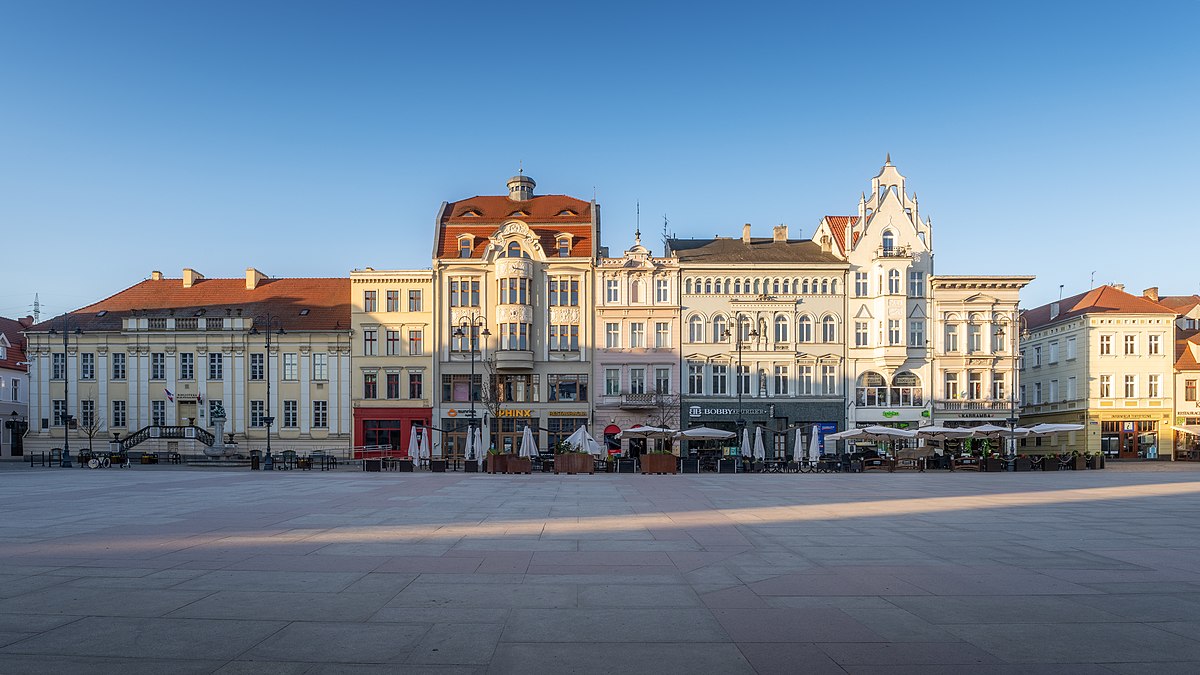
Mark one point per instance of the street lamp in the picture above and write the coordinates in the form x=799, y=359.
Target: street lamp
x=469, y=329
x=741, y=421
x=1012, y=389
x=66, y=416
x=267, y=321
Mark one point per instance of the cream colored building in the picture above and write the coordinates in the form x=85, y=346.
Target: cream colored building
x=512, y=301
x=391, y=315
x=636, y=338
x=155, y=360
x=1104, y=359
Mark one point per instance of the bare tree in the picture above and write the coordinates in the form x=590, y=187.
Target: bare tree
x=92, y=426
x=664, y=414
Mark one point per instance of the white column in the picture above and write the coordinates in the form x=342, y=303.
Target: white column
x=143, y=361
x=305, y=402
x=103, y=406
x=344, y=395
x=73, y=381
x=173, y=385
x=201, y=373
x=238, y=362
x=132, y=380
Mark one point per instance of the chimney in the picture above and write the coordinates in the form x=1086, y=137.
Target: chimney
x=253, y=278
x=1053, y=310
x=26, y=322
x=746, y=233
x=190, y=277
x=1119, y=287
x=779, y=234
x=1151, y=293
x=156, y=276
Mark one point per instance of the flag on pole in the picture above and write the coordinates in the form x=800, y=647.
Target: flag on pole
x=170, y=396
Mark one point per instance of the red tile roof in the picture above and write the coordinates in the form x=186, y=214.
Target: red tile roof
x=838, y=225
x=1101, y=300
x=15, y=353
x=1180, y=303
x=327, y=301
x=1184, y=360
x=541, y=214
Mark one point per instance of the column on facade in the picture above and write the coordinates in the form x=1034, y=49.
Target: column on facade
x=201, y=373
x=143, y=361
x=240, y=413
x=344, y=389
x=171, y=383
x=274, y=354
x=304, y=405
x=72, y=377
x=103, y=414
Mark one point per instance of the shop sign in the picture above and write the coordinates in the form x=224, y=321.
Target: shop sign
x=890, y=413
x=455, y=413
x=514, y=413
x=565, y=413
x=699, y=411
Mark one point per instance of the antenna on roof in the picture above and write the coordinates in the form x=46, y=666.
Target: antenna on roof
x=520, y=167
x=37, y=309
x=666, y=235
x=1092, y=281
x=637, y=232
x=1060, y=289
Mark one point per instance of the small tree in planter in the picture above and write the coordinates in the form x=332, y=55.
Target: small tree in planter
x=567, y=460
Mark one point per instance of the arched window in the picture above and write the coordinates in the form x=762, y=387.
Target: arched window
x=829, y=329
x=737, y=286
x=696, y=329
x=727, y=286
x=804, y=328
x=781, y=329
x=787, y=286
x=906, y=389
x=806, y=286
x=757, y=287
x=708, y=286
x=833, y=286
x=687, y=286
x=717, y=287
x=825, y=287
x=893, y=281
x=514, y=250
x=635, y=292
x=871, y=390
x=744, y=327
x=718, y=331
x=889, y=242
x=775, y=287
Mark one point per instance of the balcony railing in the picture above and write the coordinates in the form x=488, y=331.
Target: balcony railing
x=963, y=404
x=639, y=401
x=894, y=252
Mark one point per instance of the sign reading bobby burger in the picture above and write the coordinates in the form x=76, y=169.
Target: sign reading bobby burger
x=700, y=411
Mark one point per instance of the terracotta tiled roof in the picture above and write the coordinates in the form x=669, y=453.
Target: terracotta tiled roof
x=838, y=225
x=731, y=250
x=1180, y=303
x=16, y=343
x=546, y=215
x=1100, y=300
x=327, y=301
x=1184, y=359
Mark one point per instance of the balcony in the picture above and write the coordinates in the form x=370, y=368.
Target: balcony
x=514, y=359
x=965, y=405
x=639, y=401
x=894, y=252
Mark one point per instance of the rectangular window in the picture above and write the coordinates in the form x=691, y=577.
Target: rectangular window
x=1130, y=345
x=16, y=390
x=695, y=379
x=564, y=292
x=514, y=291
x=1037, y=356
x=416, y=341
x=1106, y=386
x=860, y=284
x=804, y=381
x=291, y=366
x=720, y=380
x=564, y=338
x=567, y=388
x=392, y=342
x=414, y=301
x=515, y=336
x=187, y=366
x=1070, y=348
x=87, y=366
x=1189, y=390
x=1052, y=352
x=916, y=332
x=291, y=414
x=1152, y=386
x=416, y=386
x=637, y=380
x=611, y=290
x=951, y=342
x=58, y=412
x=974, y=385
x=464, y=293
x=1071, y=391
x=393, y=301
x=1037, y=393
x=662, y=334
x=612, y=335
x=1154, y=345
x=118, y=413
x=662, y=290
x=1131, y=386
x=894, y=332
x=998, y=336
x=781, y=380
x=662, y=381
x=216, y=366
x=370, y=301
x=1105, y=344
x=256, y=413
x=370, y=343
x=998, y=391
x=320, y=412
x=393, y=385
x=916, y=284
x=1052, y=392
x=515, y=388
x=320, y=366
x=257, y=365
x=974, y=338
x=637, y=335
x=58, y=366
x=743, y=379
x=370, y=386
x=87, y=414
x=612, y=381
x=158, y=413
x=861, y=334
x=464, y=339
x=950, y=390
x=828, y=380
x=118, y=365
x=158, y=366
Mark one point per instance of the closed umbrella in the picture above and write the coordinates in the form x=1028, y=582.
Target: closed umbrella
x=413, y=448
x=745, y=450
x=423, y=451
x=470, y=449
x=760, y=451
x=798, y=453
x=528, y=449
x=814, y=444
x=480, y=451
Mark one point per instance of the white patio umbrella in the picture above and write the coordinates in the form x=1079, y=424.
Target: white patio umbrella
x=1047, y=428
x=704, y=434
x=423, y=451
x=814, y=444
x=745, y=448
x=760, y=451
x=935, y=432
x=413, y=448
x=798, y=452
x=582, y=441
x=643, y=431
x=470, y=449
x=528, y=448
x=480, y=451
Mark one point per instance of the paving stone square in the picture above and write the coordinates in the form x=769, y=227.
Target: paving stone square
x=212, y=571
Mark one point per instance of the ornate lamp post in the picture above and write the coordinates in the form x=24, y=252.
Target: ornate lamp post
x=471, y=328
x=741, y=421
x=1012, y=389
x=268, y=322
x=66, y=416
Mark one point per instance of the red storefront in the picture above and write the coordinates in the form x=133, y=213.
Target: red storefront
x=389, y=427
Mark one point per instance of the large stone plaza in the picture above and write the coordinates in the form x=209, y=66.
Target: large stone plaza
x=153, y=570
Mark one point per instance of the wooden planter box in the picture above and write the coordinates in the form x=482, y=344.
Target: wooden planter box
x=573, y=462
x=1095, y=462
x=496, y=463
x=993, y=464
x=518, y=465
x=1022, y=464
x=1078, y=463
x=372, y=465
x=964, y=464
x=437, y=465
x=626, y=465
x=878, y=464
x=470, y=466
x=689, y=465
x=659, y=463
x=1049, y=463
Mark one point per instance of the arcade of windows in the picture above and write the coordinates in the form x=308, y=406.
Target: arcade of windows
x=770, y=286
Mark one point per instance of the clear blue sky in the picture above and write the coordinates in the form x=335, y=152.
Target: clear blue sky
x=307, y=139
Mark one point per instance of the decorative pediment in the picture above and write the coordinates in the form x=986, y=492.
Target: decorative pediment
x=864, y=312
x=918, y=312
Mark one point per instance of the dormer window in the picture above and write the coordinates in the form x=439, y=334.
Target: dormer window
x=567, y=213
x=564, y=247
x=518, y=214
x=469, y=213
x=465, y=245
x=514, y=250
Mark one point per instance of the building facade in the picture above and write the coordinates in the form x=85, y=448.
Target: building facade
x=1104, y=359
x=391, y=316
x=14, y=386
x=762, y=335
x=636, y=338
x=511, y=318
x=171, y=352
